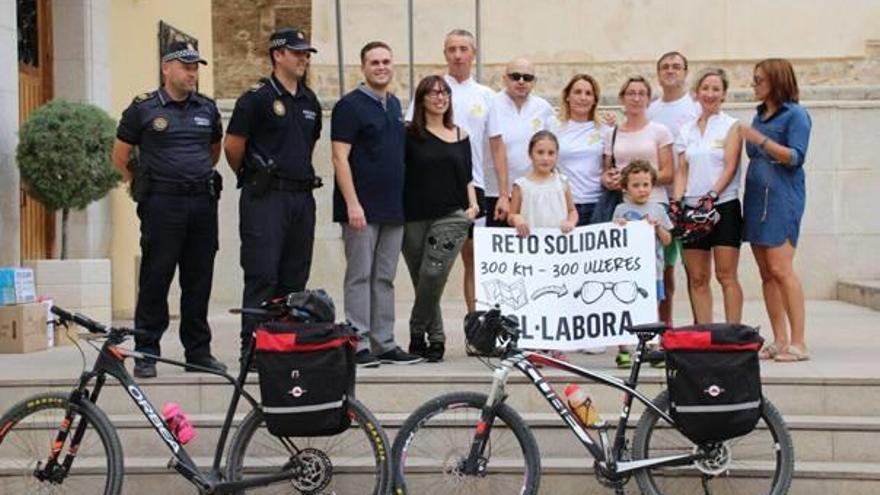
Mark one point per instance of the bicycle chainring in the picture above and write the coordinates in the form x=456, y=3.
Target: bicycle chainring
x=313, y=471
x=607, y=481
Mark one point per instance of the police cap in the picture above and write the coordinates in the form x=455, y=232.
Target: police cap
x=183, y=51
x=292, y=39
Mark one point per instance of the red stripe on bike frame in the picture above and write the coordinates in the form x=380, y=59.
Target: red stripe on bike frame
x=286, y=342
x=481, y=427
x=540, y=359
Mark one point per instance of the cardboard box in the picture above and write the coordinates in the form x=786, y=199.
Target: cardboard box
x=63, y=337
x=17, y=286
x=23, y=328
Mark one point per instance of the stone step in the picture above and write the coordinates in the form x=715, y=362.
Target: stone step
x=864, y=293
x=565, y=476
x=151, y=475
x=574, y=476
x=816, y=438
x=204, y=394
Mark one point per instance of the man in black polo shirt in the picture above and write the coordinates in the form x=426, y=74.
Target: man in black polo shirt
x=367, y=133
x=177, y=131
x=269, y=145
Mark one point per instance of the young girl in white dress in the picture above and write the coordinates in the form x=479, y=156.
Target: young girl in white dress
x=542, y=198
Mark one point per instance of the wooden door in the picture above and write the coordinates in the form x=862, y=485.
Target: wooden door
x=34, y=89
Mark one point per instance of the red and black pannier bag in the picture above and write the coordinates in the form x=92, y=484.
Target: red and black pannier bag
x=714, y=380
x=307, y=373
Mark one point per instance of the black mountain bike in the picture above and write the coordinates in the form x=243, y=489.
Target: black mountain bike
x=64, y=443
x=466, y=442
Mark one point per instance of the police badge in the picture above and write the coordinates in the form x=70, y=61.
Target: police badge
x=279, y=108
x=160, y=124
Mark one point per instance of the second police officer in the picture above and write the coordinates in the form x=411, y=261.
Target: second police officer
x=177, y=131
x=269, y=145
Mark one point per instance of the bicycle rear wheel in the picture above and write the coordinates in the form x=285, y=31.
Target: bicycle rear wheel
x=27, y=434
x=434, y=441
x=354, y=462
x=759, y=463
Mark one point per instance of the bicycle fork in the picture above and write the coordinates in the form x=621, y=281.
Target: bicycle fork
x=474, y=463
x=53, y=471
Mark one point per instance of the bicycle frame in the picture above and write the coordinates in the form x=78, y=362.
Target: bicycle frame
x=110, y=361
x=610, y=458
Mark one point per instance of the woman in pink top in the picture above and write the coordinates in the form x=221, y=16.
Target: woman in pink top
x=638, y=139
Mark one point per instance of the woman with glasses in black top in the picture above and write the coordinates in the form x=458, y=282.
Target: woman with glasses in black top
x=439, y=205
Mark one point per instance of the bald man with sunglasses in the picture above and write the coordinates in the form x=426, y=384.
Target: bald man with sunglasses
x=515, y=116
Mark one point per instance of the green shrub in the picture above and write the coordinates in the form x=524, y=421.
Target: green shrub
x=64, y=154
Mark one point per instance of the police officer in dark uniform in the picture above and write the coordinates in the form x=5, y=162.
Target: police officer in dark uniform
x=269, y=145
x=177, y=131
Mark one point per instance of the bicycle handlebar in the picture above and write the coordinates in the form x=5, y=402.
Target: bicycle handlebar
x=95, y=327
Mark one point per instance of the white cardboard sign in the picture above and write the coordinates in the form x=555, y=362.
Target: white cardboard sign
x=570, y=291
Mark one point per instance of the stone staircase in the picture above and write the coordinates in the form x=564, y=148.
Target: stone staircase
x=864, y=293
x=835, y=423
x=831, y=404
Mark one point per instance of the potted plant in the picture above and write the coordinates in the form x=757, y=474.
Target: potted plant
x=64, y=156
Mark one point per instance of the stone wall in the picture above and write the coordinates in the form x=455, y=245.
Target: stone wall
x=839, y=72
x=241, y=34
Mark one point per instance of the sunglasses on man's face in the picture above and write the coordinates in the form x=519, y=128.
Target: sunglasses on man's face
x=519, y=76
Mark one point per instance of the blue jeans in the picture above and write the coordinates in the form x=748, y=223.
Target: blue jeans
x=585, y=211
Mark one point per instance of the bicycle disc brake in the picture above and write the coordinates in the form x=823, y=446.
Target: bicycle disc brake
x=312, y=469
x=716, y=462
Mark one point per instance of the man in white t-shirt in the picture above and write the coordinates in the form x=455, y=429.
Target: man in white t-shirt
x=516, y=115
x=470, y=111
x=674, y=108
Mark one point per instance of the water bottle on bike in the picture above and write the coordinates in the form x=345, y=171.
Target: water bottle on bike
x=178, y=423
x=581, y=405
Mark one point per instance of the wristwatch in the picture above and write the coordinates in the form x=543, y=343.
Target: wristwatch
x=713, y=195
x=763, y=142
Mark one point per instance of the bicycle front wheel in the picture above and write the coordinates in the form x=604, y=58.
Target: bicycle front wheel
x=434, y=441
x=354, y=462
x=27, y=434
x=759, y=463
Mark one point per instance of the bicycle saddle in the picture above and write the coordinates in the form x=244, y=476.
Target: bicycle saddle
x=656, y=328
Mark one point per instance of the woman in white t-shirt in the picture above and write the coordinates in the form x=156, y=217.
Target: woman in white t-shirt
x=709, y=151
x=580, y=143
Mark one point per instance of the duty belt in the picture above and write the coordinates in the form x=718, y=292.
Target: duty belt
x=294, y=185
x=181, y=188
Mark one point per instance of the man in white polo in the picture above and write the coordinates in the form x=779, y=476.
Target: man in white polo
x=516, y=115
x=675, y=107
x=470, y=111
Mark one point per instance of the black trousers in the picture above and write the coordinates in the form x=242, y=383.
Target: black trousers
x=176, y=232
x=277, y=233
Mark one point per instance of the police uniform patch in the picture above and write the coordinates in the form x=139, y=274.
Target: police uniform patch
x=160, y=124
x=257, y=85
x=279, y=108
x=143, y=97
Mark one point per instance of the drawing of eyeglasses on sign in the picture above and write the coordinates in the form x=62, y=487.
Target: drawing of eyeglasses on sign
x=625, y=291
